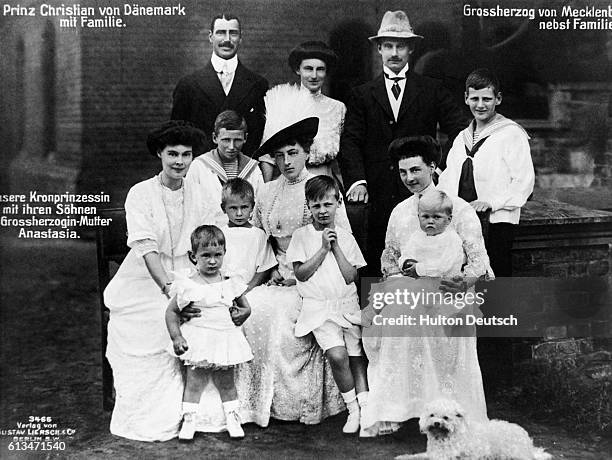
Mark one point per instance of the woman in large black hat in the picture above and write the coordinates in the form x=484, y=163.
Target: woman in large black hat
x=289, y=378
x=161, y=212
x=313, y=61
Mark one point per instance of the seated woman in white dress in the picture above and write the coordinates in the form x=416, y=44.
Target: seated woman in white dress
x=289, y=378
x=213, y=169
x=313, y=61
x=161, y=212
x=405, y=373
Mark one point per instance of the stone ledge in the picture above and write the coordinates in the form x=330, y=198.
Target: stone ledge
x=586, y=197
x=553, y=212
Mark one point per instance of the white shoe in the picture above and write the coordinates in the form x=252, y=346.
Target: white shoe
x=232, y=423
x=188, y=428
x=352, y=422
x=365, y=433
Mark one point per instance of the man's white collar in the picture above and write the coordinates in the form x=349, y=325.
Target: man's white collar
x=224, y=65
x=391, y=73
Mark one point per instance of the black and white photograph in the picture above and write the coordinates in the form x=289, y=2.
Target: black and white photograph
x=333, y=229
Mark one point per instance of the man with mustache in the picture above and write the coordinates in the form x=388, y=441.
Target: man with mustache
x=398, y=103
x=223, y=84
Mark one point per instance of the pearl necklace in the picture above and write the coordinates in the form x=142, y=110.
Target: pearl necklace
x=280, y=191
x=162, y=186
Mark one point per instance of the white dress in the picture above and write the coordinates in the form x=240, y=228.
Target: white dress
x=247, y=252
x=405, y=373
x=213, y=341
x=289, y=378
x=148, y=381
x=325, y=294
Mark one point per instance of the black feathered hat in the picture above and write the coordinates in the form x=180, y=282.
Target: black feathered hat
x=312, y=50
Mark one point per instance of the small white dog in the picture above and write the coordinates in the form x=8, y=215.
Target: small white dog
x=451, y=437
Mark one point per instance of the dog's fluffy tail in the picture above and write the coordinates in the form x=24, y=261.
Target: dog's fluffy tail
x=541, y=454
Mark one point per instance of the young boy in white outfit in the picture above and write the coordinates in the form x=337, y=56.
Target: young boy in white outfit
x=490, y=167
x=325, y=261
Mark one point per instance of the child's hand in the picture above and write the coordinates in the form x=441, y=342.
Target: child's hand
x=276, y=278
x=329, y=238
x=409, y=268
x=180, y=345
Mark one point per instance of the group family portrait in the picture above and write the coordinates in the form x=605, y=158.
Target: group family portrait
x=257, y=170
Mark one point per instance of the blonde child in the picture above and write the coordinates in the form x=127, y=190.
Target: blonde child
x=249, y=254
x=212, y=344
x=325, y=260
x=436, y=251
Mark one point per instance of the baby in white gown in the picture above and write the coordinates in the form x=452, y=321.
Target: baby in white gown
x=436, y=251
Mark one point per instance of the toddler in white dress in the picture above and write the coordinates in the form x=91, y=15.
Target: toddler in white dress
x=212, y=344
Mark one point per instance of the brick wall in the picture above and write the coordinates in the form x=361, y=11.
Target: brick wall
x=113, y=85
x=41, y=117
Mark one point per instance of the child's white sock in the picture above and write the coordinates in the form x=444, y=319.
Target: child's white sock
x=231, y=406
x=190, y=407
x=352, y=422
x=350, y=399
x=362, y=398
x=232, y=419
x=188, y=427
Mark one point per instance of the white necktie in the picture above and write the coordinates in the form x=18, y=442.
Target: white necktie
x=225, y=77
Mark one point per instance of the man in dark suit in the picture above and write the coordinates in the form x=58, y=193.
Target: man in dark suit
x=223, y=84
x=396, y=104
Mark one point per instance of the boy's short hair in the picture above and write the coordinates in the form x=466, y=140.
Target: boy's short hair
x=206, y=235
x=237, y=187
x=317, y=187
x=436, y=199
x=230, y=120
x=425, y=147
x=483, y=78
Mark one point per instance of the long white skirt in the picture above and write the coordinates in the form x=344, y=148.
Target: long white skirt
x=405, y=373
x=148, y=381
